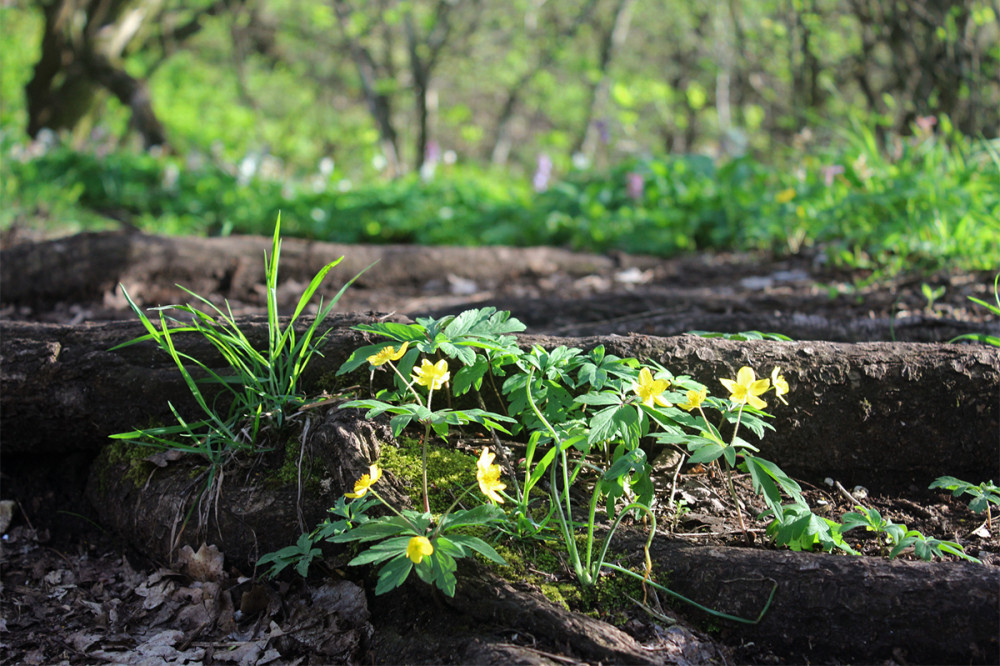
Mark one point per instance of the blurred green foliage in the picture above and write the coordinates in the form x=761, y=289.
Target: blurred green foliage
x=927, y=201
x=264, y=108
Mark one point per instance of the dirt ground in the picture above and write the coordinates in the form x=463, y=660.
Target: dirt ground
x=73, y=592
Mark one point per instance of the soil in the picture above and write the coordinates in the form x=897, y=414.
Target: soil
x=77, y=588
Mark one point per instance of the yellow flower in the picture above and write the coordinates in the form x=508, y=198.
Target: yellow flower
x=419, y=548
x=488, y=476
x=388, y=354
x=746, y=388
x=366, y=481
x=694, y=399
x=432, y=375
x=779, y=384
x=784, y=196
x=649, y=390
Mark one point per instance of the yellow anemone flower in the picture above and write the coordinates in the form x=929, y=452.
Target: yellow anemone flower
x=488, y=476
x=746, y=388
x=432, y=375
x=784, y=196
x=649, y=390
x=366, y=481
x=694, y=399
x=388, y=354
x=419, y=548
x=779, y=384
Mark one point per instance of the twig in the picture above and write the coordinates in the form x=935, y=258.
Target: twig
x=298, y=498
x=843, y=491
x=543, y=653
x=673, y=492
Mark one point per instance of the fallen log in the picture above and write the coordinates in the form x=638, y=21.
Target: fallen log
x=871, y=413
x=88, y=266
x=838, y=608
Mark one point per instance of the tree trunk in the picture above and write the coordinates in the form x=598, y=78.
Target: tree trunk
x=379, y=104
x=611, y=41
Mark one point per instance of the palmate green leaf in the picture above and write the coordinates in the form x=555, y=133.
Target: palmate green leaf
x=443, y=571
x=603, y=398
x=381, y=551
x=470, y=376
x=393, y=574
x=483, y=322
x=466, y=355
x=396, y=331
x=631, y=461
x=800, y=529
x=478, y=545
x=480, y=515
x=360, y=356
x=488, y=420
x=870, y=519
x=704, y=453
x=380, y=528
x=769, y=480
x=302, y=554
x=611, y=422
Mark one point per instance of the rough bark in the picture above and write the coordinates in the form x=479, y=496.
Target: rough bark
x=843, y=608
x=263, y=503
x=87, y=267
x=682, y=294
x=674, y=310
x=874, y=413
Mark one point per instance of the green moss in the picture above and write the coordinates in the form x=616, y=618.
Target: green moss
x=449, y=472
x=288, y=473
x=133, y=457
x=542, y=565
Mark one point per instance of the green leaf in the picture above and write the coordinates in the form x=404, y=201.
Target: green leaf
x=470, y=376
x=480, y=515
x=631, y=461
x=393, y=574
x=443, y=571
x=707, y=452
x=478, y=545
x=376, y=529
x=382, y=551
x=604, y=398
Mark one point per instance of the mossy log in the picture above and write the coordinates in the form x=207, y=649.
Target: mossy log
x=874, y=414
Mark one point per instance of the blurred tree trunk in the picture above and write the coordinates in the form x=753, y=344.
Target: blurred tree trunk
x=424, y=52
x=612, y=40
x=83, y=48
x=499, y=151
x=378, y=101
x=79, y=57
x=932, y=64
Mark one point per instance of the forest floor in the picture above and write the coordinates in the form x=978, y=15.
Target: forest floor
x=74, y=592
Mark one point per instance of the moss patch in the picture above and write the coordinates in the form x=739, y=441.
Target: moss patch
x=288, y=473
x=449, y=472
x=132, y=457
x=544, y=566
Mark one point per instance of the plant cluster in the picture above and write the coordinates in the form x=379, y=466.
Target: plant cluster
x=263, y=390
x=926, y=201
x=583, y=417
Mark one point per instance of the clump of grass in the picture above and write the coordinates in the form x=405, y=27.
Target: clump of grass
x=260, y=389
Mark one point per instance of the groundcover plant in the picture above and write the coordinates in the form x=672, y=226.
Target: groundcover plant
x=582, y=416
